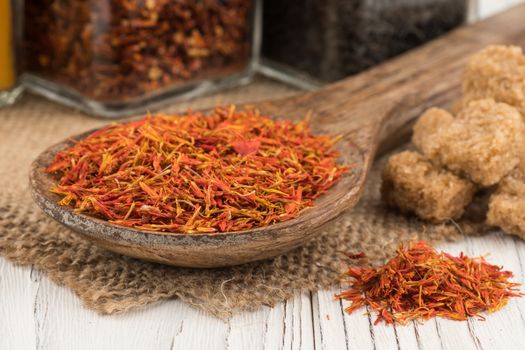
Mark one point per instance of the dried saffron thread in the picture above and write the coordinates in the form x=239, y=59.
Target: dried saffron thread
x=420, y=283
x=226, y=171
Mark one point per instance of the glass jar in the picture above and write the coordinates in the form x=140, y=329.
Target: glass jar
x=10, y=88
x=329, y=40
x=117, y=57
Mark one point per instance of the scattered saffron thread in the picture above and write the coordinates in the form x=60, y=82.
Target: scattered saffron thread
x=420, y=283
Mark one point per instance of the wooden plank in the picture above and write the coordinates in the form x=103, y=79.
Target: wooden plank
x=276, y=327
x=17, y=298
x=246, y=330
x=337, y=330
x=302, y=322
x=427, y=335
x=454, y=334
x=199, y=330
x=406, y=337
x=64, y=324
x=298, y=326
x=385, y=337
x=288, y=325
x=168, y=325
x=329, y=321
x=44, y=316
x=491, y=332
x=359, y=329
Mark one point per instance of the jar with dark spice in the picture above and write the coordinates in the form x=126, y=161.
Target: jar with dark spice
x=329, y=40
x=117, y=57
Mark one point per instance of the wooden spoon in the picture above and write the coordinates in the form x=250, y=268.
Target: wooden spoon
x=366, y=109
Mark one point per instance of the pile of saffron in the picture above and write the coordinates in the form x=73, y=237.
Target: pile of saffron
x=420, y=283
x=228, y=170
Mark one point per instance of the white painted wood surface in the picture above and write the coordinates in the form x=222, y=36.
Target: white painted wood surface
x=37, y=314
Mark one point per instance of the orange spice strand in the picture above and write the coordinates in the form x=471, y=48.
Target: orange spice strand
x=229, y=170
x=420, y=283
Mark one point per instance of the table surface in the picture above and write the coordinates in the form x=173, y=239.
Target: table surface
x=37, y=314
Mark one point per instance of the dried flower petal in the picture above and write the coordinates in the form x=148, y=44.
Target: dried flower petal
x=420, y=283
x=245, y=147
x=192, y=173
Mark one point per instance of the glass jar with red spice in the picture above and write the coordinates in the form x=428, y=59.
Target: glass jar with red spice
x=117, y=57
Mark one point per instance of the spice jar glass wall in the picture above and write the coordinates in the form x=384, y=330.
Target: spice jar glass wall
x=116, y=57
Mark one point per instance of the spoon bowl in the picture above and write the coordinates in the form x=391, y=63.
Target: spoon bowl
x=202, y=249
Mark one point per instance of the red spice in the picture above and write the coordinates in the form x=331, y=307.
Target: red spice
x=117, y=50
x=227, y=171
x=356, y=256
x=420, y=283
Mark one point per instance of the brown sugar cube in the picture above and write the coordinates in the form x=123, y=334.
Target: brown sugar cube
x=507, y=212
x=483, y=143
x=507, y=204
x=497, y=72
x=514, y=183
x=431, y=122
x=413, y=184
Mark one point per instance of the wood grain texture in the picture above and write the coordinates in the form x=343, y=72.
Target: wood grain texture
x=36, y=314
x=365, y=109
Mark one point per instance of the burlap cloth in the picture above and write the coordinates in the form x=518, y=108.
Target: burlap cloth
x=110, y=283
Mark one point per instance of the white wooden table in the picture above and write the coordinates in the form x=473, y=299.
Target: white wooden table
x=37, y=314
